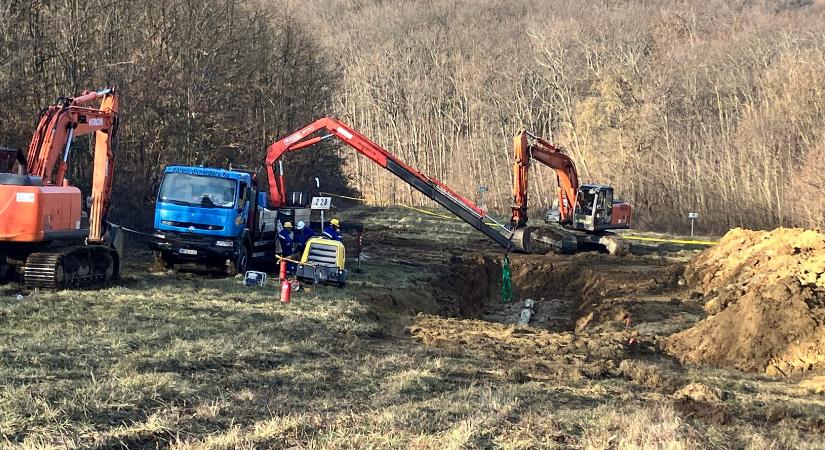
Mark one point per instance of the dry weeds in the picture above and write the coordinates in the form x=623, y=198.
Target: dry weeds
x=184, y=361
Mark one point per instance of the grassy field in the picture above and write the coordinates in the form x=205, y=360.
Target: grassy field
x=188, y=361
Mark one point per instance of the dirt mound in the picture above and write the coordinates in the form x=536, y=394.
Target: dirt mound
x=764, y=292
x=700, y=392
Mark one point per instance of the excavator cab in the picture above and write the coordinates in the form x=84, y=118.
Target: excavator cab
x=12, y=161
x=593, y=207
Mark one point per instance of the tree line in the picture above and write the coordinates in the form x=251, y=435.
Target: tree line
x=715, y=107
x=209, y=82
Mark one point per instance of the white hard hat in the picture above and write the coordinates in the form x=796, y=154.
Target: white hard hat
x=300, y=225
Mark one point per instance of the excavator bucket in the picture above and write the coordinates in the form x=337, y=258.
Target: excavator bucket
x=521, y=239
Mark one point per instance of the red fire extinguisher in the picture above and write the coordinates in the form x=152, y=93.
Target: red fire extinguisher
x=282, y=275
x=286, y=290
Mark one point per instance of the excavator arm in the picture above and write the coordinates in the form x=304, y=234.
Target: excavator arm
x=551, y=156
x=430, y=187
x=51, y=145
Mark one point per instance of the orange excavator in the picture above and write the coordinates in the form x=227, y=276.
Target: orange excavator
x=44, y=230
x=582, y=215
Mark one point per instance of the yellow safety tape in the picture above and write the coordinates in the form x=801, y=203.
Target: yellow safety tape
x=294, y=261
x=635, y=238
x=672, y=241
x=423, y=211
x=343, y=196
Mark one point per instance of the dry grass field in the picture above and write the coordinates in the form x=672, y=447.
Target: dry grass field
x=416, y=352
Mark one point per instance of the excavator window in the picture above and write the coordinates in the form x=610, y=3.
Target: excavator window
x=587, y=201
x=9, y=157
x=607, y=199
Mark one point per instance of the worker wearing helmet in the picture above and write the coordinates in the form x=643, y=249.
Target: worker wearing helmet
x=333, y=230
x=302, y=234
x=286, y=240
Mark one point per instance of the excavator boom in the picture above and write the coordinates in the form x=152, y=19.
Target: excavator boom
x=551, y=156
x=430, y=187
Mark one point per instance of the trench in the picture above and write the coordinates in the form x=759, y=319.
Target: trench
x=571, y=293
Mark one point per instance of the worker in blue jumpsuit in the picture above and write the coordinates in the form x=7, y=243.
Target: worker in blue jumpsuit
x=302, y=234
x=285, y=238
x=333, y=230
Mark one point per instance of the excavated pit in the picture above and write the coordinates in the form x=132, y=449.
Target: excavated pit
x=571, y=293
x=592, y=313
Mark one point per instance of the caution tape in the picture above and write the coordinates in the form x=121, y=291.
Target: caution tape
x=424, y=211
x=671, y=241
x=279, y=257
x=343, y=196
x=129, y=230
x=397, y=204
x=413, y=208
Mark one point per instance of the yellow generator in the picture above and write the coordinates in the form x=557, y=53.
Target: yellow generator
x=323, y=262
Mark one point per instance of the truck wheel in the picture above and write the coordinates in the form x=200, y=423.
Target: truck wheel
x=240, y=263
x=162, y=261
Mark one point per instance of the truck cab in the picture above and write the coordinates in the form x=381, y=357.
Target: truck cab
x=213, y=217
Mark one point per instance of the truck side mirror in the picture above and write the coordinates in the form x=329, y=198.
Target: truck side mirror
x=153, y=191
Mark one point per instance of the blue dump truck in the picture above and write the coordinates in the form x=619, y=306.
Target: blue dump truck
x=216, y=218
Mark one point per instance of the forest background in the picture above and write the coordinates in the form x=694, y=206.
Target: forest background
x=708, y=106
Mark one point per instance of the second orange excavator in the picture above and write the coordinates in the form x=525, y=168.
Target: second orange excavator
x=583, y=214
x=45, y=230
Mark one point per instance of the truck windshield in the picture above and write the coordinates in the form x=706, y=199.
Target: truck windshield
x=195, y=190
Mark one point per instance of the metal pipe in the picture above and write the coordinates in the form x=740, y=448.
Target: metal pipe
x=527, y=312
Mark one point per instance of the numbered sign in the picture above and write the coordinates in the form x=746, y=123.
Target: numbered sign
x=693, y=215
x=321, y=202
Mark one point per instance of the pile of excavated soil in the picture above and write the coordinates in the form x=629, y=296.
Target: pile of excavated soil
x=764, y=293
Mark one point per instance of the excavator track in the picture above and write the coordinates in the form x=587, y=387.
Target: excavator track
x=70, y=267
x=560, y=240
x=564, y=241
